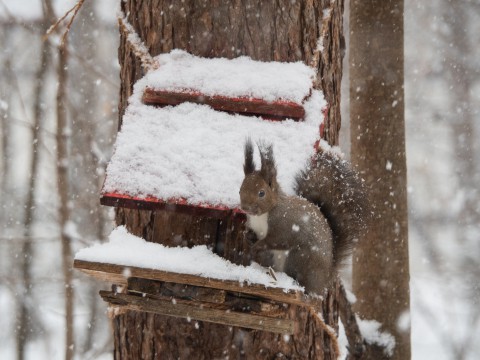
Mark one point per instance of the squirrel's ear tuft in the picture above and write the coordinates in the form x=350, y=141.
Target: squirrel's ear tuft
x=269, y=169
x=249, y=165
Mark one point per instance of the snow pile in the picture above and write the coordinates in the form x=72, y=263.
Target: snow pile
x=126, y=249
x=242, y=76
x=370, y=330
x=195, y=153
x=342, y=341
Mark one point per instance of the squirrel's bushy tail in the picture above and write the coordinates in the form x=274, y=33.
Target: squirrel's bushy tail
x=341, y=195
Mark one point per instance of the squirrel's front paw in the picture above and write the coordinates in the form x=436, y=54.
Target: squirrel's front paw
x=271, y=273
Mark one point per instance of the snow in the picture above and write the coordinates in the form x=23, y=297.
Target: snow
x=370, y=330
x=389, y=165
x=128, y=250
x=242, y=76
x=352, y=299
x=342, y=340
x=404, y=322
x=195, y=153
x=70, y=230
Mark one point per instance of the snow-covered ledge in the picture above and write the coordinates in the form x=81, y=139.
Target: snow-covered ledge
x=127, y=250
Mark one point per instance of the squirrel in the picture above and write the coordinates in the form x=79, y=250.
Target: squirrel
x=317, y=228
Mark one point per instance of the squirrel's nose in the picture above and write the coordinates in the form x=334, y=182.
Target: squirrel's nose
x=244, y=207
x=251, y=209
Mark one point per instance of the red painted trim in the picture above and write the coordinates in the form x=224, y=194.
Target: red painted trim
x=276, y=110
x=173, y=205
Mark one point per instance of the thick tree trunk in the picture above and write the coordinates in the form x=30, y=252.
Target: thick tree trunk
x=380, y=262
x=280, y=31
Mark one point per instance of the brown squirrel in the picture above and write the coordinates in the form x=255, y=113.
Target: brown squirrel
x=316, y=229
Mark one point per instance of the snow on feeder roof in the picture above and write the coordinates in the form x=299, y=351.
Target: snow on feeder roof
x=191, y=155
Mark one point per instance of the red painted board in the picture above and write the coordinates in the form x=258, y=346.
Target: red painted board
x=173, y=205
x=276, y=110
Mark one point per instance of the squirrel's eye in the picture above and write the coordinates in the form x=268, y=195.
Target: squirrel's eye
x=261, y=193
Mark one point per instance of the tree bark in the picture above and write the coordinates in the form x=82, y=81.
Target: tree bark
x=267, y=31
x=380, y=261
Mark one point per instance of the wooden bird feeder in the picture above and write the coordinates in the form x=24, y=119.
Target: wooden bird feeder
x=180, y=148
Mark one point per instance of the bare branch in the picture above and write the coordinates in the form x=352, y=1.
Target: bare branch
x=75, y=9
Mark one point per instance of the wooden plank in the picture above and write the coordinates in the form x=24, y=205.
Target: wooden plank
x=182, y=291
x=119, y=273
x=201, y=313
x=276, y=110
x=171, y=205
x=207, y=296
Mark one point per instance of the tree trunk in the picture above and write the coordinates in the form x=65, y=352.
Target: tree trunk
x=280, y=31
x=25, y=315
x=63, y=192
x=380, y=262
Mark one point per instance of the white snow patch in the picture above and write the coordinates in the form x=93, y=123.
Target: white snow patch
x=3, y=105
x=327, y=13
x=70, y=230
x=132, y=35
x=403, y=321
x=389, y=165
x=320, y=46
x=342, y=340
x=128, y=250
x=370, y=330
x=352, y=299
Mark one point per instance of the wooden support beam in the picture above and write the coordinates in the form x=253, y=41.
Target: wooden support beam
x=275, y=110
x=119, y=274
x=199, y=312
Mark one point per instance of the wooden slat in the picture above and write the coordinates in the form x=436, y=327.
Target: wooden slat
x=183, y=291
x=187, y=310
x=118, y=274
x=276, y=110
x=172, y=205
x=216, y=298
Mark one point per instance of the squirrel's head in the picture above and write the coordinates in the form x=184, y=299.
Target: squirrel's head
x=259, y=191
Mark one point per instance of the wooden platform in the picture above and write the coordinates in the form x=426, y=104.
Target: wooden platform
x=194, y=297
